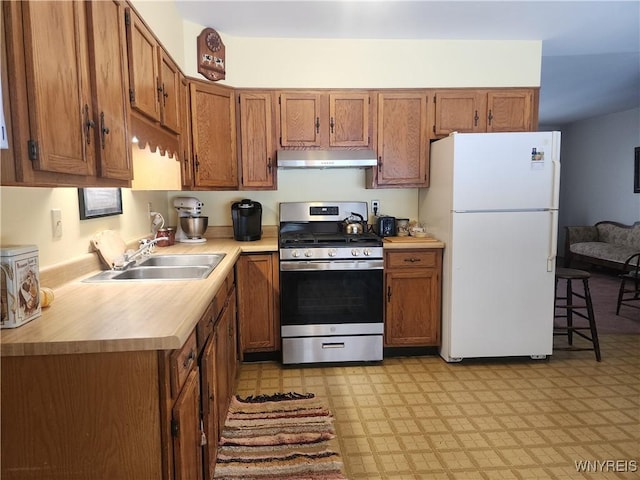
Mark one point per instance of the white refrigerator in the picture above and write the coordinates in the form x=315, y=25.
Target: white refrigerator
x=493, y=201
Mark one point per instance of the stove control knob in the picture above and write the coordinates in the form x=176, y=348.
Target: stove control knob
x=295, y=254
x=308, y=253
x=332, y=252
x=366, y=252
x=355, y=252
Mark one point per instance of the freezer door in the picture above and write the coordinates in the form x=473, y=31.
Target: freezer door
x=499, y=171
x=502, y=292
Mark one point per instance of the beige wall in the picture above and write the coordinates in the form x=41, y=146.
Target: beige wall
x=267, y=63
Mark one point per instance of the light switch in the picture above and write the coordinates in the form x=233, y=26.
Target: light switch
x=56, y=222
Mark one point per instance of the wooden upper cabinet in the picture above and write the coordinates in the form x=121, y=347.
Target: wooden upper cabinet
x=143, y=67
x=186, y=159
x=459, y=111
x=300, y=119
x=68, y=93
x=61, y=114
x=474, y=110
x=107, y=39
x=349, y=124
x=153, y=76
x=257, y=139
x=403, y=140
x=169, y=92
x=213, y=130
x=510, y=110
x=325, y=119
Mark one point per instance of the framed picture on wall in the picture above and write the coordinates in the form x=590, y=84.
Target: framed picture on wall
x=636, y=171
x=99, y=202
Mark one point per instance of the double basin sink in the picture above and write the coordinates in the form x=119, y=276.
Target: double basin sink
x=164, y=267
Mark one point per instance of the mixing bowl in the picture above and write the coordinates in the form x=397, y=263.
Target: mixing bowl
x=194, y=227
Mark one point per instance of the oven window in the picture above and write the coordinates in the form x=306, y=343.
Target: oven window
x=329, y=297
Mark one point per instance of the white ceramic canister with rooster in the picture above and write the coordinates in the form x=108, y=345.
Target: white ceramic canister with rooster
x=19, y=285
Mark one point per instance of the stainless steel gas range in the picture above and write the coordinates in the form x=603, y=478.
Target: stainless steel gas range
x=331, y=285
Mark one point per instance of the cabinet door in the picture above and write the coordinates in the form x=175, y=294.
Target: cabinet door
x=349, y=120
x=232, y=358
x=61, y=116
x=403, y=143
x=413, y=297
x=169, y=92
x=186, y=160
x=300, y=120
x=222, y=376
x=411, y=313
x=459, y=111
x=143, y=67
x=213, y=130
x=107, y=41
x=257, y=293
x=187, y=450
x=209, y=405
x=257, y=140
x=509, y=111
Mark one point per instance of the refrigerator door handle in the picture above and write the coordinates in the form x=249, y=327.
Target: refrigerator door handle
x=553, y=240
x=555, y=186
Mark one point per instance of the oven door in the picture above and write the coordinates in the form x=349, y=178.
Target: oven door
x=331, y=297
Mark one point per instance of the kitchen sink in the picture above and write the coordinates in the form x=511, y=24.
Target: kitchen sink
x=164, y=273
x=164, y=267
x=183, y=260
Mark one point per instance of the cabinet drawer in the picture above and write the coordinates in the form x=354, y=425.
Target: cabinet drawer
x=411, y=259
x=182, y=361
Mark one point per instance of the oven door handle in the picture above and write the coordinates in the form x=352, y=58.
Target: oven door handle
x=319, y=265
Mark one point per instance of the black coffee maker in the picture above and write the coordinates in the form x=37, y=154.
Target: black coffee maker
x=247, y=220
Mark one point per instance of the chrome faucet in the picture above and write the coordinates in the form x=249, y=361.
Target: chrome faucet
x=129, y=259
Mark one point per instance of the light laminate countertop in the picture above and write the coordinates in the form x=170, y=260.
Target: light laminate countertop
x=127, y=316
x=136, y=315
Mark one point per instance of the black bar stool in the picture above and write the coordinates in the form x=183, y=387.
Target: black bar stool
x=571, y=310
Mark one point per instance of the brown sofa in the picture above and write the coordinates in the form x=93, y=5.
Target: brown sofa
x=606, y=244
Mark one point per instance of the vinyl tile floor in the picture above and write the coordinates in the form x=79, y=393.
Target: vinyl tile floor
x=421, y=418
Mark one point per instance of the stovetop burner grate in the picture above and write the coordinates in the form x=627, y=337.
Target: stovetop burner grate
x=294, y=239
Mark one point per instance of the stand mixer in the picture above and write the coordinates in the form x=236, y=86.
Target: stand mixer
x=190, y=208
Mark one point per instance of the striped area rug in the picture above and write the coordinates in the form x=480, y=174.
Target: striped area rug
x=287, y=436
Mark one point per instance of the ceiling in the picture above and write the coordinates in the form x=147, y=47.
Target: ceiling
x=590, y=49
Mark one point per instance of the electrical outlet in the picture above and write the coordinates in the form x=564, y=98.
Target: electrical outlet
x=56, y=222
x=375, y=206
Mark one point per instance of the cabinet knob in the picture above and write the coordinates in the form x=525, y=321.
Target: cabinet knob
x=104, y=130
x=475, y=119
x=490, y=117
x=380, y=164
x=331, y=124
x=88, y=123
x=317, y=124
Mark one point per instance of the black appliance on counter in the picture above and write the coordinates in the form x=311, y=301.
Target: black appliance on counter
x=247, y=220
x=385, y=226
x=331, y=285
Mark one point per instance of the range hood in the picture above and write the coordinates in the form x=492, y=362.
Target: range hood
x=326, y=158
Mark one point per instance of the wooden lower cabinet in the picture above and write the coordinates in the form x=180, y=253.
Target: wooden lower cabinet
x=122, y=415
x=186, y=430
x=258, y=299
x=412, y=297
x=82, y=416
